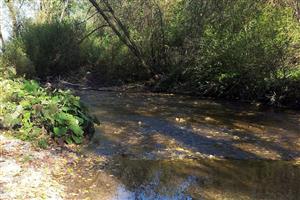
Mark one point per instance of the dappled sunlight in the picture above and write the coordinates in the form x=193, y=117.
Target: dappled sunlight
x=260, y=151
x=133, y=121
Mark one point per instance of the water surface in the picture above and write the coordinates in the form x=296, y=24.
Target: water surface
x=176, y=147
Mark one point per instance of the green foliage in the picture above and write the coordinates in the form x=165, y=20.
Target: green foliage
x=15, y=56
x=235, y=49
x=52, y=48
x=226, y=49
x=43, y=50
x=238, y=50
x=36, y=113
x=109, y=61
x=245, y=51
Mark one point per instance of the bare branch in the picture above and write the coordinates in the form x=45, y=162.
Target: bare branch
x=64, y=10
x=90, y=33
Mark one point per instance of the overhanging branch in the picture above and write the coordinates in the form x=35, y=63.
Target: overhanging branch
x=90, y=33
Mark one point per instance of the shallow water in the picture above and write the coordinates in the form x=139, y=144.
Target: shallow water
x=190, y=179
x=175, y=147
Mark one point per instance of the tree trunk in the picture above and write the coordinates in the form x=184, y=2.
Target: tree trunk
x=121, y=31
x=13, y=15
x=1, y=36
x=297, y=10
x=1, y=39
x=64, y=10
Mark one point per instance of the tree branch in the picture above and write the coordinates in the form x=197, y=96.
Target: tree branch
x=64, y=10
x=120, y=30
x=90, y=33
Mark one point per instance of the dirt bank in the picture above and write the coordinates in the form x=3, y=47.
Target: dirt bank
x=28, y=173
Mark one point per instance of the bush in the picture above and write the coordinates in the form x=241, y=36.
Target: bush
x=109, y=61
x=38, y=114
x=52, y=47
x=15, y=57
x=240, y=50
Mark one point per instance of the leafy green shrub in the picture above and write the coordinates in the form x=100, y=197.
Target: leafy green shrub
x=36, y=113
x=110, y=61
x=15, y=56
x=240, y=50
x=52, y=47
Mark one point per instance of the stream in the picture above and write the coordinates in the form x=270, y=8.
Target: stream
x=164, y=146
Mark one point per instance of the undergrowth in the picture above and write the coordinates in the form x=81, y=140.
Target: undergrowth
x=39, y=115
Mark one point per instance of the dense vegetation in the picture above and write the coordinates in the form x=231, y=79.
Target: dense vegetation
x=38, y=114
x=238, y=49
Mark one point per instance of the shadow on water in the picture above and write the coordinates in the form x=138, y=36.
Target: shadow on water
x=207, y=127
x=187, y=138
x=159, y=147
